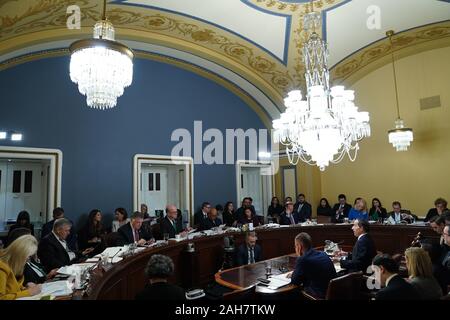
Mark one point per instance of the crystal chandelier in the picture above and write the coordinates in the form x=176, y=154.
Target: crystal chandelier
x=327, y=125
x=400, y=137
x=101, y=66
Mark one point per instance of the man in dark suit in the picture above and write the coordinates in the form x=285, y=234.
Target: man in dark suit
x=440, y=206
x=395, y=287
x=246, y=203
x=341, y=209
x=249, y=252
x=133, y=233
x=302, y=208
x=53, y=250
x=202, y=214
x=400, y=215
x=171, y=224
x=159, y=269
x=212, y=221
x=288, y=216
x=47, y=228
x=314, y=269
x=363, y=250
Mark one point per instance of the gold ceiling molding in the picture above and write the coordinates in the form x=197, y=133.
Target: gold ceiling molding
x=286, y=7
x=377, y=55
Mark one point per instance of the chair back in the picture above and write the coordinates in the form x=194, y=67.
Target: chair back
x=112, y=239
x=346, y=287
x=323, y=219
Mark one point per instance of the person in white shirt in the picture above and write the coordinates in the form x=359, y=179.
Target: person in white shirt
x=121, y=216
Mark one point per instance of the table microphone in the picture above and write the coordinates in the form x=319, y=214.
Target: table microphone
x=112, y=258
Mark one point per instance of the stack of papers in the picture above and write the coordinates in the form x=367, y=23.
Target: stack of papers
x=75, y=268
x=54, y=289
x=278, y=281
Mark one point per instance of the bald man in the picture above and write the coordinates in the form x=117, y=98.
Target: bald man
x=212, y=221
x=171, y=224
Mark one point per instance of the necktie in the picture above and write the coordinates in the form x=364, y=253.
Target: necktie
x=174, y=226
x=136, y=235
x=292, y=219
x=252, y=257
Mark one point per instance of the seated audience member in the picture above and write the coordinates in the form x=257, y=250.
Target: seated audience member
x=159, y=269
x=399, y=215
x=288, y=217
x=313, y=269
x=23, y=221
x=47, y=228
x=447, y=217
x=275, y=209
x=440, y=273
x=219, y=209
x=249, y=218
x=377, y=212
x=53, y=250
x=228, y=214
x=212, y=221
x=12, y=264
x=359, y=211
x=302, y=208
x=437, y=223
x=363, y=250
x=324, y=208
x=440, y=206
x=446, y=250
x=249, y=252
x=121, y=218
x=202, y=214
x=133, y=233
x=393, y=286
x=420, y=271
x=90, y=236
x=246, y=203
x=144, y=211
x=287, y=199
x=171, y=225
x=341, y=209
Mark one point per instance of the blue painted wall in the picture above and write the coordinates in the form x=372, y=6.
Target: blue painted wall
x=39, y=100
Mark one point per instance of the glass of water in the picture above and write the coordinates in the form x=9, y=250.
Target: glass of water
x=268, y=267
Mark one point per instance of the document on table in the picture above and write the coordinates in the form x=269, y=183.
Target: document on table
x=74, y=268
x=278, y=281
x=55, y=289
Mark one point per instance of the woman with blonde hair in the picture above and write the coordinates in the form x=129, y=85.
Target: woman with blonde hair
x=420, y=271
x=12, y=264
x=359, y=211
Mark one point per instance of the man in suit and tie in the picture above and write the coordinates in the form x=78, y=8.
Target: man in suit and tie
x=47, y=228
x=314, y=269
x=395, y=287
x=399, y=215
x=202, y=214
x=341, y=209
x=288, y=216
x=249, y=252
x=54, y=251
x=171, y=224
x=363, y=250
x=302, y=208
x=212, y=221
x=132, y=232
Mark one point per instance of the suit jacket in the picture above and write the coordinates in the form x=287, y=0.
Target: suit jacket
x=240, y=213
x=198, y=218
x=52, y=254
x=71, y=239
x=314, y=270
x=12, y=288
x=431, y=213
x=242, y=254
x=207, y=224
x=362, y=254
x=167, y=227
x=304, y=213
x=161, y=291
x=397, y=289
x=126, y=234
x=284, y=220
x=344, y=214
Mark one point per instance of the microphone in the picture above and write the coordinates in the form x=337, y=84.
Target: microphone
x=112, y=258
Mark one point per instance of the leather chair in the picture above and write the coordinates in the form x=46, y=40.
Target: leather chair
x=346, y=287
x=323, y=219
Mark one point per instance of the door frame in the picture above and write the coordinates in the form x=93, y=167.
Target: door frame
x=188, y=162
x=55, y=157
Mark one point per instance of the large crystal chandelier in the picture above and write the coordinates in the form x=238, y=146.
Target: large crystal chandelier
x=327, y=125
x=101, y=66
x=400, y=137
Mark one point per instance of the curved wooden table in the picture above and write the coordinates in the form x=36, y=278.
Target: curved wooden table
x=198, y=268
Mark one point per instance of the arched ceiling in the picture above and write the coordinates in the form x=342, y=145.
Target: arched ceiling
x=250, y=46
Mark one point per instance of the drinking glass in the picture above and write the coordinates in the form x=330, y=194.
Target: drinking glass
x=268, y=266
x=166, y=236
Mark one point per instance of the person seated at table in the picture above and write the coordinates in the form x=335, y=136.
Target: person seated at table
x=302, y=208
x=341, y=209
x=159, y=269
x=228, y=214
x=363, y=250
x=437, y=255
x=313, y=269
x=211, y=222
x=288, y=216
x=274, y=210
x=246, y=203
x=23, y=221
x=121, y=218
x=170, y=224
x=440, y=206
x=324, y=208
x=144, y=211
x=437, y=223
x=420, y=271
x=90, y=236
x=359, y=211
x=12, y=264
x=132, y=232
x=393, y=286
x=47, y=228
x=399, y=215
x=53, y=250
x=248, y=218
x=249, y=252
x=377, y=212
x=202, y=214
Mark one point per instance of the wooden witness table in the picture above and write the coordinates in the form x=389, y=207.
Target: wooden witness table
x=197, y=268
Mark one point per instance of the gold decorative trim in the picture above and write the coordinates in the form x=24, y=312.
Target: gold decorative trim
x=90, y=43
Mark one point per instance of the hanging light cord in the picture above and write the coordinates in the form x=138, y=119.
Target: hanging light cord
x=104, y=10
x=390, y=34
